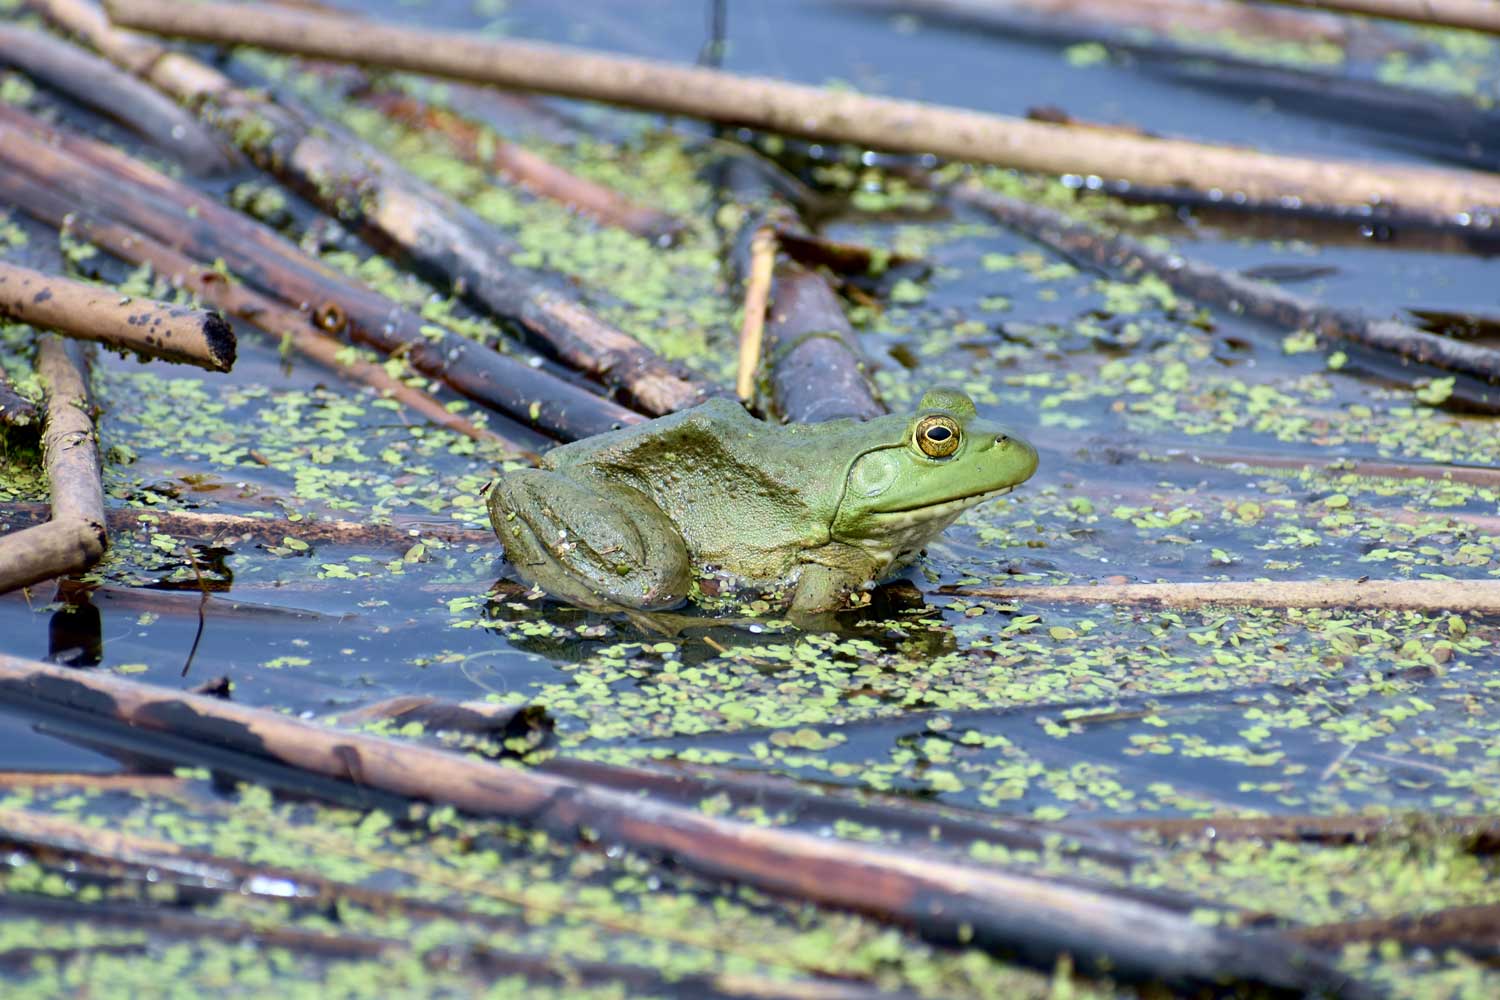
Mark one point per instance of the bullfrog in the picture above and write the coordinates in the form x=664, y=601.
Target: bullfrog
x=632, y=519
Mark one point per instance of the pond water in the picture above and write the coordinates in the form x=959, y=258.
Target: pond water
x=1150, y=417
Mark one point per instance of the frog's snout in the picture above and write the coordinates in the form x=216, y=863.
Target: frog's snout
x=1016, y=452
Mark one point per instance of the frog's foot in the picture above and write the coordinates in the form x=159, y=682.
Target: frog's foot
x=605, y=548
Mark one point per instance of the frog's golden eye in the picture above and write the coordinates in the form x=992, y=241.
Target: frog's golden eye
x=938, y=436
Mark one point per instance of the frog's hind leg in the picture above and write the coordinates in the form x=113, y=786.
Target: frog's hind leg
x=597, y=547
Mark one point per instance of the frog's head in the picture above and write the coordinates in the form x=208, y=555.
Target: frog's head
x=922, y=472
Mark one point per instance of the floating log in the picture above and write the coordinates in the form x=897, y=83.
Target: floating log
x=91, y=312
x=823, y=113
x=76, y=536
x=1204, y=283
x=371, y=191
x=108, y=182
x=96, y=83
x=1481, y=596
x=1027, y=915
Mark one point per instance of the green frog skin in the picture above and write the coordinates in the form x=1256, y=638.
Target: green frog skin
x=629, y=519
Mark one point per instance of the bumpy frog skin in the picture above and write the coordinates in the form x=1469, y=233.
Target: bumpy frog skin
x=631, y=518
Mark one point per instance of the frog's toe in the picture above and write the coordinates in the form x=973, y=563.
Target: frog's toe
x=585, y=545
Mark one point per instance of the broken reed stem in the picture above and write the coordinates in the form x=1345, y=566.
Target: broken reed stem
x=529, y=170
x=1473, y=15
x=1409, y=595
x=1207, y=284
x=98, y=84
x=75, y=538
x=367, y=189
x=91, y=312
x=1035, y=916
x=753, y=326
x=825, y=114
x=130, y=192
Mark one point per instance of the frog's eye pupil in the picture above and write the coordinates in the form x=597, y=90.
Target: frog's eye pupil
x=938, y=433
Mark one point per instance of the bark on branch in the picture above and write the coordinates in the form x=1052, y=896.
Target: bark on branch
x=822, y=113
x=90, y=312
x=1475, y=15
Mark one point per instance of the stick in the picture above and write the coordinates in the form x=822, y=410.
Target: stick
x=202, y=526
x=528, y=170
x=168, y=211
x=355, y=183
x=75, y=538
x=89, y=312
x=1205, y=283
x=1474, y=15
x=1032, y=915
x=757, y=293
x=1365, y=468
x=1414, y=595
x=820, y=113
x=1474, y=929
x=1331, y=830
x=96, y=83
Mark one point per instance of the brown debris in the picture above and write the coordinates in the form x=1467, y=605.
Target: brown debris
x=1416, y=595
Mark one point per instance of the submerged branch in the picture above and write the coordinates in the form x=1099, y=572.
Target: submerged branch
x=1029, y=914
x=90, y=312
x=1412, y=595
x=822, y=113
x=1205, y=283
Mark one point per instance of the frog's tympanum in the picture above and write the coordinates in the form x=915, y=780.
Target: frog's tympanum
x=633, y=518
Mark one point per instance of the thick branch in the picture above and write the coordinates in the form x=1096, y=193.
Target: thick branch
x=822, y=113
x=1415, y=595
x=98, y=84
x=90, y=312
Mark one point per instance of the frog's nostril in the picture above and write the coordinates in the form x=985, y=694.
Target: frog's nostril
x=1001, y=439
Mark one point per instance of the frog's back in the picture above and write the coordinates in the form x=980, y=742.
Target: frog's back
x=733, y=485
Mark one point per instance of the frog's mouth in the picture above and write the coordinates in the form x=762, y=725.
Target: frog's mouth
x=943, y=508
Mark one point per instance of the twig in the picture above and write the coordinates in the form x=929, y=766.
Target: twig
x=1208, y=284
x=90, y=312
x=1474, y=929
x=75, y=538
x=1474, y=15
x=95, y=82
x=757, y=293
x=203, y=527
x=355, y=183
x=143, y=784
x=1415, y=595
x=1030, y=914
x=820, y=113
x=132, y=193
x=529, y=170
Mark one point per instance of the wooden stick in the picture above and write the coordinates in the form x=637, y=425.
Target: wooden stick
x=1474, y=15
x=98, y=84
x=55, y=548
x=1354, y=829
x=203, y=526
x=1365, y=468
x=1474, y=929
x=1415, y=595
x=365, y=188
x=90, y=312
x=166, y=210
x=757, y=293
x=1208, y=284
x=1030, y=915
x=822, y=113
x=529, y=170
